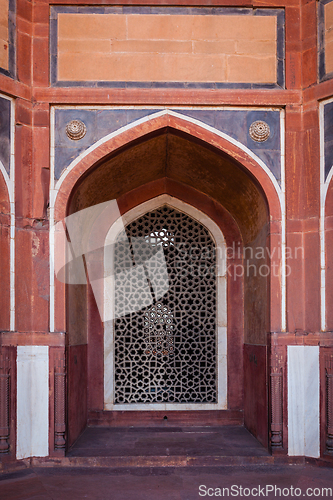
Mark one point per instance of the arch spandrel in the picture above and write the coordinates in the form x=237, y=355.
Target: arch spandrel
x=139, y=132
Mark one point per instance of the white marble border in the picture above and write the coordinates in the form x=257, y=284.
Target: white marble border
x=10, y=182
x=303, y=401
x=323, y=193
x=217, y=236
x=54, y=187
x=32, y=401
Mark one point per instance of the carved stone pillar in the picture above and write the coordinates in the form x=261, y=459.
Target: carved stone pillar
x=4, y=402
x=276, y=390
x=59, y=402
x=329, y=402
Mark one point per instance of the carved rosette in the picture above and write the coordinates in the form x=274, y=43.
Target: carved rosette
x=329, y=402
x=4, y=402
x=259, y=131
x=59, y=402
x=76, y=130
x=276, y=387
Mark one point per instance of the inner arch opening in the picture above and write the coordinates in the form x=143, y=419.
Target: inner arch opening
x=171, y=162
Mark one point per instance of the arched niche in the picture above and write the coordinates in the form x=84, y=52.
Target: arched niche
x=171, y=162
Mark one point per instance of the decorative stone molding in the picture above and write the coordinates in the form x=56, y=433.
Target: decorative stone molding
x=276, y=387
x=329, y=402
x=76, y=130
x=259, y=131
x=59, y=401
x=4, y=402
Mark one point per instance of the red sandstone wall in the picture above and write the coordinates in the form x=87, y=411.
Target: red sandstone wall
x=34, y=95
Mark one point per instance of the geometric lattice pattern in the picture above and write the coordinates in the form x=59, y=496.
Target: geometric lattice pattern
x=159, y=329
x=165, y=352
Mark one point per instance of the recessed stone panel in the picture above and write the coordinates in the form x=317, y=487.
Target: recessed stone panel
x=162, y=45
x=4, y=38
x=329, y=37
x=325, y=39
x=5, y=132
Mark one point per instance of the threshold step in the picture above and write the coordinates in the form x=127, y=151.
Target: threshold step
x=152, y=461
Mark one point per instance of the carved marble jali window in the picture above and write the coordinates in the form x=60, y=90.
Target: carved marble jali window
x=164, y=350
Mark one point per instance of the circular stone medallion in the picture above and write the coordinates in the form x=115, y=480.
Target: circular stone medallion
x=259, y=131
x=76, y=130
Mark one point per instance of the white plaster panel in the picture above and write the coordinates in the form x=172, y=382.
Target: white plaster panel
x=303, y=401
x=32, y=401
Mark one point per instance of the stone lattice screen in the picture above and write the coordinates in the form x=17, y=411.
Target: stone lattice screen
x=166, y=47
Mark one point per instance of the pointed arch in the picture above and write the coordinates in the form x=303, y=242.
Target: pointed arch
x=150, y=124
x=196, y=131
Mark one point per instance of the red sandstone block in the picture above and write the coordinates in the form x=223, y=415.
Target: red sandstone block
x=309, y=19
x=294, y=156
x=294, y=46
x=275, y=227
x=23, y=58
x=41, y=12
x=295, y=225
x=309, y=43
x=329, y=223
x=311, y=176
x=309, y=67
x=41, y=115
x=24, y=26
x=293, y=23
x=60, y=209
x=293, y=70
x=255, y=392
x=312, y=282
x=41, y=30
x=31, y=280
x=59, y=306
x=295, y=286
x=41, y=61
x=23, y=112
x=311, y=225
x=5, y=276
x=23, y=150
x=24, y=9
x=294, y=119
x=4, y=220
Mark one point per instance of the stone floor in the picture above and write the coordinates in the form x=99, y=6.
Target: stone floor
x=141, y=466
x=221, y=441
x=168, y=483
